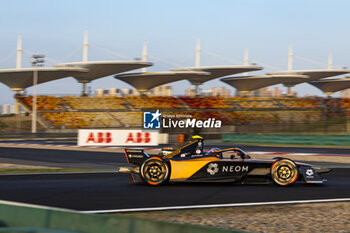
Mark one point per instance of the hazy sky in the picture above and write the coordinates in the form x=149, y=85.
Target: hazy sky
x=171, y=28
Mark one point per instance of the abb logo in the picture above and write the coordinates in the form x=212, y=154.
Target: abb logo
x=99, y=137
x=138, y=137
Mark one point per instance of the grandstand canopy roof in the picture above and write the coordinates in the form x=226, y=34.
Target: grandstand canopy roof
x=19, y=79
x=99, y=69
x=145, y=81
x=330, y=86
x=290, y=80
x=216, y=72
x=250, y=83
x=314, y=74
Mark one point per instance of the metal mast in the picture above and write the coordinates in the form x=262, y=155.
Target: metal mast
x=144, y=54
x=19, y=51
x=198, y=53
x=290, y=58
x=330, y=61
x=85, y=58
x=246, y=59
x=197, y=62
x=85, y=46
x=290, y=67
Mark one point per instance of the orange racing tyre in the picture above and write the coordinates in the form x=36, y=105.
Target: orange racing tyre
x=155, y=171
x=284, y=172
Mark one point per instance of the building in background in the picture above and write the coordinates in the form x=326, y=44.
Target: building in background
x=6, y=109
x=116, y=92
x=276, y=92
x=166, y=90
x=266, y=92
x=345, y=94
x=262, y=92
x=190, y=92
x=163, y=90
x=222, y=92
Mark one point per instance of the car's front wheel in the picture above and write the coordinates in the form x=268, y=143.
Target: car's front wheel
x=155, y=171
x=284, y=172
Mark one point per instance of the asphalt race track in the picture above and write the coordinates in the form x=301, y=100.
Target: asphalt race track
x=92, y=160
x=292, y=149
x=62, y=158
x=105, y=191
x=109, y=190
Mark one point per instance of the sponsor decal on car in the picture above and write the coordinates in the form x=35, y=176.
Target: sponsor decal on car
x=213, y=168
x=309, y=172
x=235, y=168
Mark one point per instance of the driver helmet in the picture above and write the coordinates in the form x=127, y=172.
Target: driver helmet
x=214, y=151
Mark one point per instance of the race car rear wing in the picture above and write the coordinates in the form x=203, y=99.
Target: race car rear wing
x=136, y=156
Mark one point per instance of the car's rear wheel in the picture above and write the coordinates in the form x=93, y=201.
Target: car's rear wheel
x=284, y=172
x=155, y=171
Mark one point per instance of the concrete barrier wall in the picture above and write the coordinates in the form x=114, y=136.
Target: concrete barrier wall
x=338, y=140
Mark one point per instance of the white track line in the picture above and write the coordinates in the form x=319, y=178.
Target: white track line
x=213, y=206
x=21, y=204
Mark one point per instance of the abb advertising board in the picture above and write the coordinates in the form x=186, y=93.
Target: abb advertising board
x=87, y=137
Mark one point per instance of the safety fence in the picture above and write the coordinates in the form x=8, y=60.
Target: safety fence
x=21, y=218
x=337, y=140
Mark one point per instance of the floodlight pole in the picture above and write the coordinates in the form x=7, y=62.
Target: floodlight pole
x=38, y=61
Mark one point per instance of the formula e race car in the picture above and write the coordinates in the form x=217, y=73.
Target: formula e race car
x=189, y=163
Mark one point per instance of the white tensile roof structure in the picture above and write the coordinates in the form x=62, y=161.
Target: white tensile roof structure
x=245, y=84
x=216, y=72
x=99, y=69
x=313, y=75
x=143, y=82
x=22, y=78
x=84, y=72
x=330, y=86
